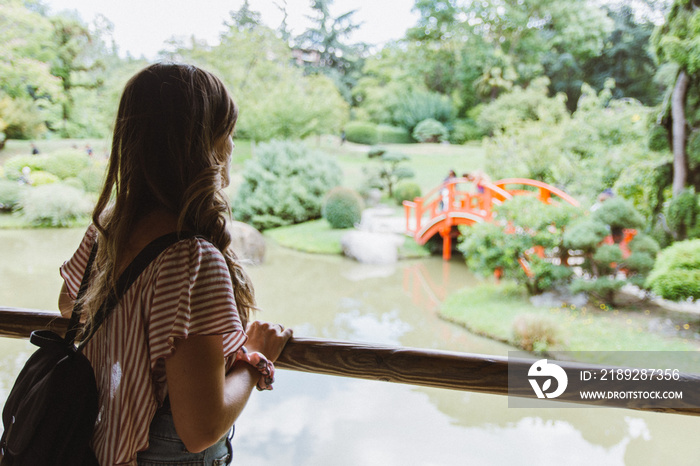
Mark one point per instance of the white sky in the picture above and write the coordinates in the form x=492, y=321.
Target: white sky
x=142, y=26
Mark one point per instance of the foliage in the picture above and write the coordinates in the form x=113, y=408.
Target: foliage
x=406, y=191
x=625, y=57
x=675, y=43
x=284, y=184
x=536, y=333
x=14, y=165
x=387, y=134
x=415, y=107
x=10, y=194
x=361, y=132
x=585, y=235
x=40, y=178
x=464, y=130
x=342, y=207
x=509, y=246
x=66, y=163
x=682, y=215
x=522, y=105
x=618, y=212
x=327, y=36
x=643, y=184
x=389, y=171
x=605, y=267
x=586, y=152
x=294, y=108
x=53, y=205
x=491, y=310
x=430, y=130
x=676, y=273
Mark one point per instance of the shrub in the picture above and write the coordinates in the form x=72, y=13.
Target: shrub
x=40, y=178
x=430, y=130
x=66, y=163
x=284, y=184
x=415, y=107
x=619, y=213
x=406, y=191
x=376, y=151
x=657, y=138
x=54, y=205
x=644, y=243
x=585, y=235
x=74, y=182
x=465, y=130
x=676, y=273
x=393, y=135
x=92, y=178
x=603, y=288
x=14, y=165
x=10, y=194
x=361, y=132
x=640, y=262
x=536, y=333
x=342, y=207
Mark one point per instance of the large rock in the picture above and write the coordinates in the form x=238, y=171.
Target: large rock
x=247, y=242
x=371, y=248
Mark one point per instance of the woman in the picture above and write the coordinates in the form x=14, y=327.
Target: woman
x=171, y=368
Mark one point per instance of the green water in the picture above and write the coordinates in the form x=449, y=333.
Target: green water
x=323, y=420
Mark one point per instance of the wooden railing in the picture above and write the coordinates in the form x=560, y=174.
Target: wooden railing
x=430, y=368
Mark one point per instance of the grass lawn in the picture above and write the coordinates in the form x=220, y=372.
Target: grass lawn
x=430, y=162
x=46, y=146
x=491, y=310
x=317, y=237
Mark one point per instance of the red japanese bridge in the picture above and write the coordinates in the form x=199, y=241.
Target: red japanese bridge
x=465, y=201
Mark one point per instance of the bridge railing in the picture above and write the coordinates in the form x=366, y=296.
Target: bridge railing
x=414, y=366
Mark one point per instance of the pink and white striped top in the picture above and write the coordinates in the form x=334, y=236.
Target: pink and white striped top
x=186, y=291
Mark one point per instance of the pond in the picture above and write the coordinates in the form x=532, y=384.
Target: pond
x=325, y=420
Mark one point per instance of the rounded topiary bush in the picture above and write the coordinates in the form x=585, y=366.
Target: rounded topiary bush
x=342, y=207
x=54, y=205
x=361, y=132
x=406, y=191
x=430, y=130
x=676, y=272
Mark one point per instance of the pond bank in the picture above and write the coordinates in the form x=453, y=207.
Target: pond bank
x=504, y=313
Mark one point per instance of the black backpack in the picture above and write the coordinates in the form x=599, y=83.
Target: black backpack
x=49, y=416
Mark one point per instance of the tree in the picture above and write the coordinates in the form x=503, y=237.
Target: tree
x=28, y=90
x=78, y=55
x=626, y=57
x=327, y=38
x=677, y=42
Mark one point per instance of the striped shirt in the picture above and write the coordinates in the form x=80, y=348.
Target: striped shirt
x=186, y=291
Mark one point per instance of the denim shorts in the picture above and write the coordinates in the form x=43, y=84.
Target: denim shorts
x=166, y=449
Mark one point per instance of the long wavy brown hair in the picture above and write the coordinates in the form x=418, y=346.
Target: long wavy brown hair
x=164, y=157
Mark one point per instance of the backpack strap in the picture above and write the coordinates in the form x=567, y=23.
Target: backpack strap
x=127, y=278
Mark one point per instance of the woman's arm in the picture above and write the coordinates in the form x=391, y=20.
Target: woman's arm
x=205, y=401
x=65, y=302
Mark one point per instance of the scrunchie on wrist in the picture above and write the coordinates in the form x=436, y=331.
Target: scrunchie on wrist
x=261, y=363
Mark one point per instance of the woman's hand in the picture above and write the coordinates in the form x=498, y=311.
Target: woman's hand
x=269, y=339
